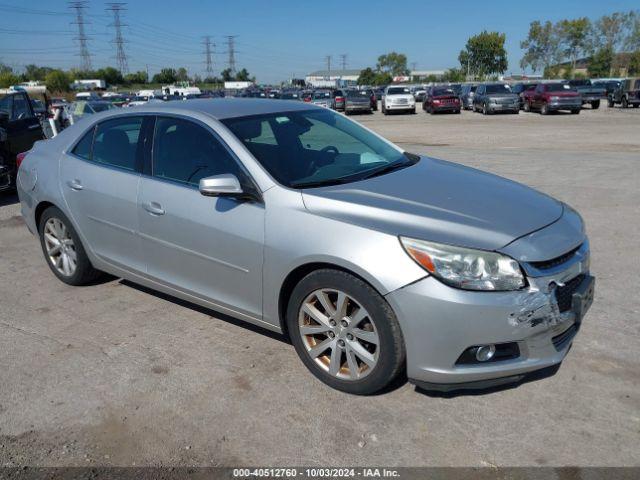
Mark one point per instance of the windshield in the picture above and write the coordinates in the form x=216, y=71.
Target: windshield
x=443, y=91
x=314, y=147
x=321, y=95
x=498, y=89
x=398, y=91
x=559, y=87
x=101, y=107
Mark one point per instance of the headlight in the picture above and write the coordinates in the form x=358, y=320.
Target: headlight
x=465, y=268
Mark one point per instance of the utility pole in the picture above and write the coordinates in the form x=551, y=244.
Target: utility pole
x=231, y=49
x=85, y=57
x=343, y=61
x=207, y=53
x=121, y=58
x=328, y=59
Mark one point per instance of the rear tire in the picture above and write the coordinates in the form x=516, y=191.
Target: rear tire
x=595, y=105
x=527, y=106
x=544, y=110
x=76, y=269
x=576, y=111
x=625, y=102
x=387, y=358
x=610, y=103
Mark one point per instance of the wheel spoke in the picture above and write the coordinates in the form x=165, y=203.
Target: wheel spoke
x=357, y=317
x=324, y=300
x=314, y=329
x=322, y=347
x=336, y=360
x=53, y=250
x=51, y=239
x=341, y=305
x=363, y=354
x=371, y=337
x=315, y=314
x=354, y=372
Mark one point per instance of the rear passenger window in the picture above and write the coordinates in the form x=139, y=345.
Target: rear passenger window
x=116, y=142
x=185, y=152
x=83, y=147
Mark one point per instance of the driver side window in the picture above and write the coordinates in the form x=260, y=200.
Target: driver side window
x=184, y=152
x=21, y=108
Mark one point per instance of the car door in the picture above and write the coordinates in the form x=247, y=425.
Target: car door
x=23, y=127
x=209, y=247
x=99, y=180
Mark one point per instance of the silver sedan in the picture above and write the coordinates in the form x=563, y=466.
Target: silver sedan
x=373, y=260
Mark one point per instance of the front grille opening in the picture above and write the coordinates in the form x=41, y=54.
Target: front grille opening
x=564, y=294
x=562, y=340
x=554, y=262
x=504, y=351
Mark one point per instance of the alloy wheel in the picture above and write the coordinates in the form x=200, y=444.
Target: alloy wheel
x=60, y=248
x=339, y=334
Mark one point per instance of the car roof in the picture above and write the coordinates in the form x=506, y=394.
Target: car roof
x=219, y=108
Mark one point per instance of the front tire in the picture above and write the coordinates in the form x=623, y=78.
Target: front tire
x=595, y=105
x=527, y=106
x=544, y=110
x=63, y=249
x=345, y=332
x=625, y=102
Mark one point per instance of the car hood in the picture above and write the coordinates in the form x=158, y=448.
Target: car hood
x=502, y=95
x=439, y=201
x=406, y=96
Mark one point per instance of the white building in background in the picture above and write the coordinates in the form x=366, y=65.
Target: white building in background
x=332, y=78
x=89, y=84
x=424, y=74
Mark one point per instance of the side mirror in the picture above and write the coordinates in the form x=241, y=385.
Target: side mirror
x=226, y=185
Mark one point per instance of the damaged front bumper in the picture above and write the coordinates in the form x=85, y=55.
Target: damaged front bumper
x=439, y=323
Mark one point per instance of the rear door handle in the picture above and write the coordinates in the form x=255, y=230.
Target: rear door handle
x=75, y=184
x=154, y=208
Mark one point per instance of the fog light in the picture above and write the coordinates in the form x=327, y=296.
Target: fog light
x=485, y=353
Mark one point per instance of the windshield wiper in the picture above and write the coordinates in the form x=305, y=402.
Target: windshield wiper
x=411, y=160
x=322, y=183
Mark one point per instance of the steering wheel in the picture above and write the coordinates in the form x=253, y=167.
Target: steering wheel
x=314, y=164
x=329, y=149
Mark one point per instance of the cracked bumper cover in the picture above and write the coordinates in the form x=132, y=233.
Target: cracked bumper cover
x=440, y=322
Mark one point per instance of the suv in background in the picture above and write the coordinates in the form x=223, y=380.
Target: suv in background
x=520, y=88
x=441, y=99
x=552, y=97
x=466, y=96
x=397, y=98
x=610, y=86
x=591, y=93
x=19, y=129
x=495, y=97
x=628, y=94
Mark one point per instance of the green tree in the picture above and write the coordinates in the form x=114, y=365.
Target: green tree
x=541, y=46
x=58, y=81
x=552, y=71
x=35, y=73
x=575, y=38
x=226, y=75
x=182, y=75
x=366, y=76
x=8, y=78
x=634, y=63
x=484, y=54
x=5, y=68
x=111, y=75
x=382, y=78
x=454, y=75
x=137, y=77
x=601, y=63
x=393, y=63
x=166, y=75
x=243, y=75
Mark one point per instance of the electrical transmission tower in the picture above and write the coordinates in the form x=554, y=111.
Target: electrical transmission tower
x=231, y=49
x=208, y=54
x=328, y=60
x=85, y=57
x=121, y=58
x=343, y=61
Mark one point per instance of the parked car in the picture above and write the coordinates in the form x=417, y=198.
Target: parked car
x=466, y=96
x=374, y=261
x=419, y=93
x=19, y=129
x=338, y=100
x=356, y=101
x=80, y=108
x=610, y=86
x=495, y=97
x=627, y=95
x=398, y=99
x=290, y=95
x=371, y=95
x=552, y=97
x=441, y=99
x=323, y=98
x=520, y=88
x=590, y=93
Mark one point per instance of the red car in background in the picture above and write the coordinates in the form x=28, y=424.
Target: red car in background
x=441, y=99
x=552, y=97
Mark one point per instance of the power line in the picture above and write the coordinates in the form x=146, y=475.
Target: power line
x=121, y=58
x=207, y=53
x=231, y=50
x=85, y=57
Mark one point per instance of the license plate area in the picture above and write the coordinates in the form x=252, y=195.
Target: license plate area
x=582, y=298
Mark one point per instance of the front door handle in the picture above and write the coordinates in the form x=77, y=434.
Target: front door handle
x=75, y=184
x=154, y=208
x=33, y=127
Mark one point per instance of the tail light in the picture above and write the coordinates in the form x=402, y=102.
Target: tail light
x=20, y=158
x=339, y=99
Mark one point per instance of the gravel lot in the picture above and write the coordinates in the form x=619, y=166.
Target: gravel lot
x=113, y=374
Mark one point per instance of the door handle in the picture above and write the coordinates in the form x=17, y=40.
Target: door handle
x=75, y=184
x=33, y=127
x=154, y=208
